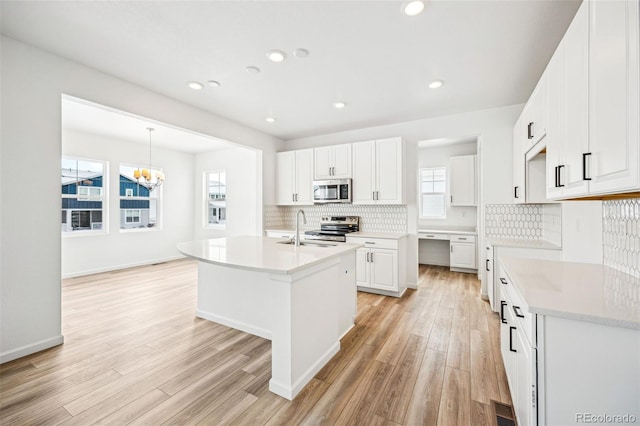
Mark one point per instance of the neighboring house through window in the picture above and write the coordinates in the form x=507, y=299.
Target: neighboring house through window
x=216, y=198
x=139, y=206
x=433, y=193
x=83, y=194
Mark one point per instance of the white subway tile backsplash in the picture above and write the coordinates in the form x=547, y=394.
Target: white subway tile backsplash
x=372, y=218
x=621, y=235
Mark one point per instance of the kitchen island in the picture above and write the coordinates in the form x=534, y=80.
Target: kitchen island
x=303, y=299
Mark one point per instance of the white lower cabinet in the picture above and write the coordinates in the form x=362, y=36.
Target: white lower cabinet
x=380, y=265
x=463, y=252
x=560, y=371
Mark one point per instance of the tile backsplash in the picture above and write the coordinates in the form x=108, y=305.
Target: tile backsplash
x=372, y=218
x=514, y=221
x=621, y=235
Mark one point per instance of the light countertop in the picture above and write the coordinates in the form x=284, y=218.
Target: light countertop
x=509, y=242
x=453, y=230
x=261, y=254
x=579, y=291
x=383, y=235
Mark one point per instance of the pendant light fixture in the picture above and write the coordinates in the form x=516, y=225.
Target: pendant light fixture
x=149, y=178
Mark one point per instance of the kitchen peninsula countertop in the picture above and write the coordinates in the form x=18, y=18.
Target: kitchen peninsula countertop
x=578, y=291
x=383, y=235
x=263, y=254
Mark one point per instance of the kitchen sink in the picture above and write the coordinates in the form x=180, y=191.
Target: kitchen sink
x=308, y=243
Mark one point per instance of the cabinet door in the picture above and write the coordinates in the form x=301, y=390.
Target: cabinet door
x=463, y=255
x=526, y=395
x=463, y=180
x=304, y=177
x=384, y=269
x=286, y=177
x=555, y=138
x=341, y=161
x=518, y=160
x=363, y=172
x=322, y=162
x=362, y=268
x=389, y=171
x=574, y=115
x=614, y=96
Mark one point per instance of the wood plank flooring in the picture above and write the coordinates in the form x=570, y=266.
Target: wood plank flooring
x=134, y=353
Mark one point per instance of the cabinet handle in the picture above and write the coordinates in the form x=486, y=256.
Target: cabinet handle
x=371, y=257
x=584, y=166
x=369, y=242
x=515, y=192
x=530, y=130
x=378, y=195
x=560, y=185
x=462, y=239
x=367, y=259
x=511, y=339
x=451, y=248
x=430, y=236
x=487, y=265
x=293, y=197
x=503, y=281
x=502, y=318
x=556, y=171
x=516, y=310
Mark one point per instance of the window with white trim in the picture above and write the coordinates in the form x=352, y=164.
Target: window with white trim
x=215, y=187
x=84, y=195
x=140, y=205
x=433, y=193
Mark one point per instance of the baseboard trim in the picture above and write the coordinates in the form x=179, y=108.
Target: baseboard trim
x=238, y=325
x=122, y=266
x=31, y=349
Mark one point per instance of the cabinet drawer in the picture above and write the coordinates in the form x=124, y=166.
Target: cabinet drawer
x=374, y=242
x=432, y=236
x=518, y=309
x=463, y=238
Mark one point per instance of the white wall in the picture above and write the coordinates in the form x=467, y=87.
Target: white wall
x=88, y=254
x=33, y=82
x=438, y=157
x=493, y=127
x=241, y=167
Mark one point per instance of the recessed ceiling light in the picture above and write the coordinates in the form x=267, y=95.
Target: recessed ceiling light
x=301, y=53
x=339, y=104
x=270, y=120
x=195, y=85
x=276, y=55
x=213, y=83
x=435, y=84
x=252, y=70
x=414, y=8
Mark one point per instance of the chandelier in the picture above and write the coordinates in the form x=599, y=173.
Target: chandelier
x=151, y=179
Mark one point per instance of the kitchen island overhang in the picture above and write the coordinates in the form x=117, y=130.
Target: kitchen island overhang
x=303, y=299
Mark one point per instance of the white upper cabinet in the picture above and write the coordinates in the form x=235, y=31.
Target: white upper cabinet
x=519, y=143
x=377, y=172
x=614, y=104
x=332, y=162
x=295, y=177
x=568, y=103
x=534, y=115
x=463, y=180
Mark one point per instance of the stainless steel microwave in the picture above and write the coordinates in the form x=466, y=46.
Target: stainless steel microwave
x=332, y=191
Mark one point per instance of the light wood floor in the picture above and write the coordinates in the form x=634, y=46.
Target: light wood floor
x=135, y=353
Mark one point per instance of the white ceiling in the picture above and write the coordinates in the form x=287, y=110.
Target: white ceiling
x=366, y=53
x=83, y=116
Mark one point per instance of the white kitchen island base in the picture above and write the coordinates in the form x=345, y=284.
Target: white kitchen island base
x=304, y=312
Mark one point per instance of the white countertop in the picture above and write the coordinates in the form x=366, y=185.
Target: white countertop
x=454, y=230
x=261, y=253
x=580, y=291
x=509, y=242
x=383, y=235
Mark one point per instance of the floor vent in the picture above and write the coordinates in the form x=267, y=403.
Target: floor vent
x=503, y=414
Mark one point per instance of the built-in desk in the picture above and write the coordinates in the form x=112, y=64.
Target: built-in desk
x=454, y=247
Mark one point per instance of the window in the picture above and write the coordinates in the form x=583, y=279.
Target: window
x=216, y=198
x=139, y=203
x=83, y=184
x=433, y=193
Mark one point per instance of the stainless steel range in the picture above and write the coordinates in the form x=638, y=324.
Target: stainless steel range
x=334, y=228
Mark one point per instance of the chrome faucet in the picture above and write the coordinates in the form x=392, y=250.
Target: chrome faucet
x=304, y=218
